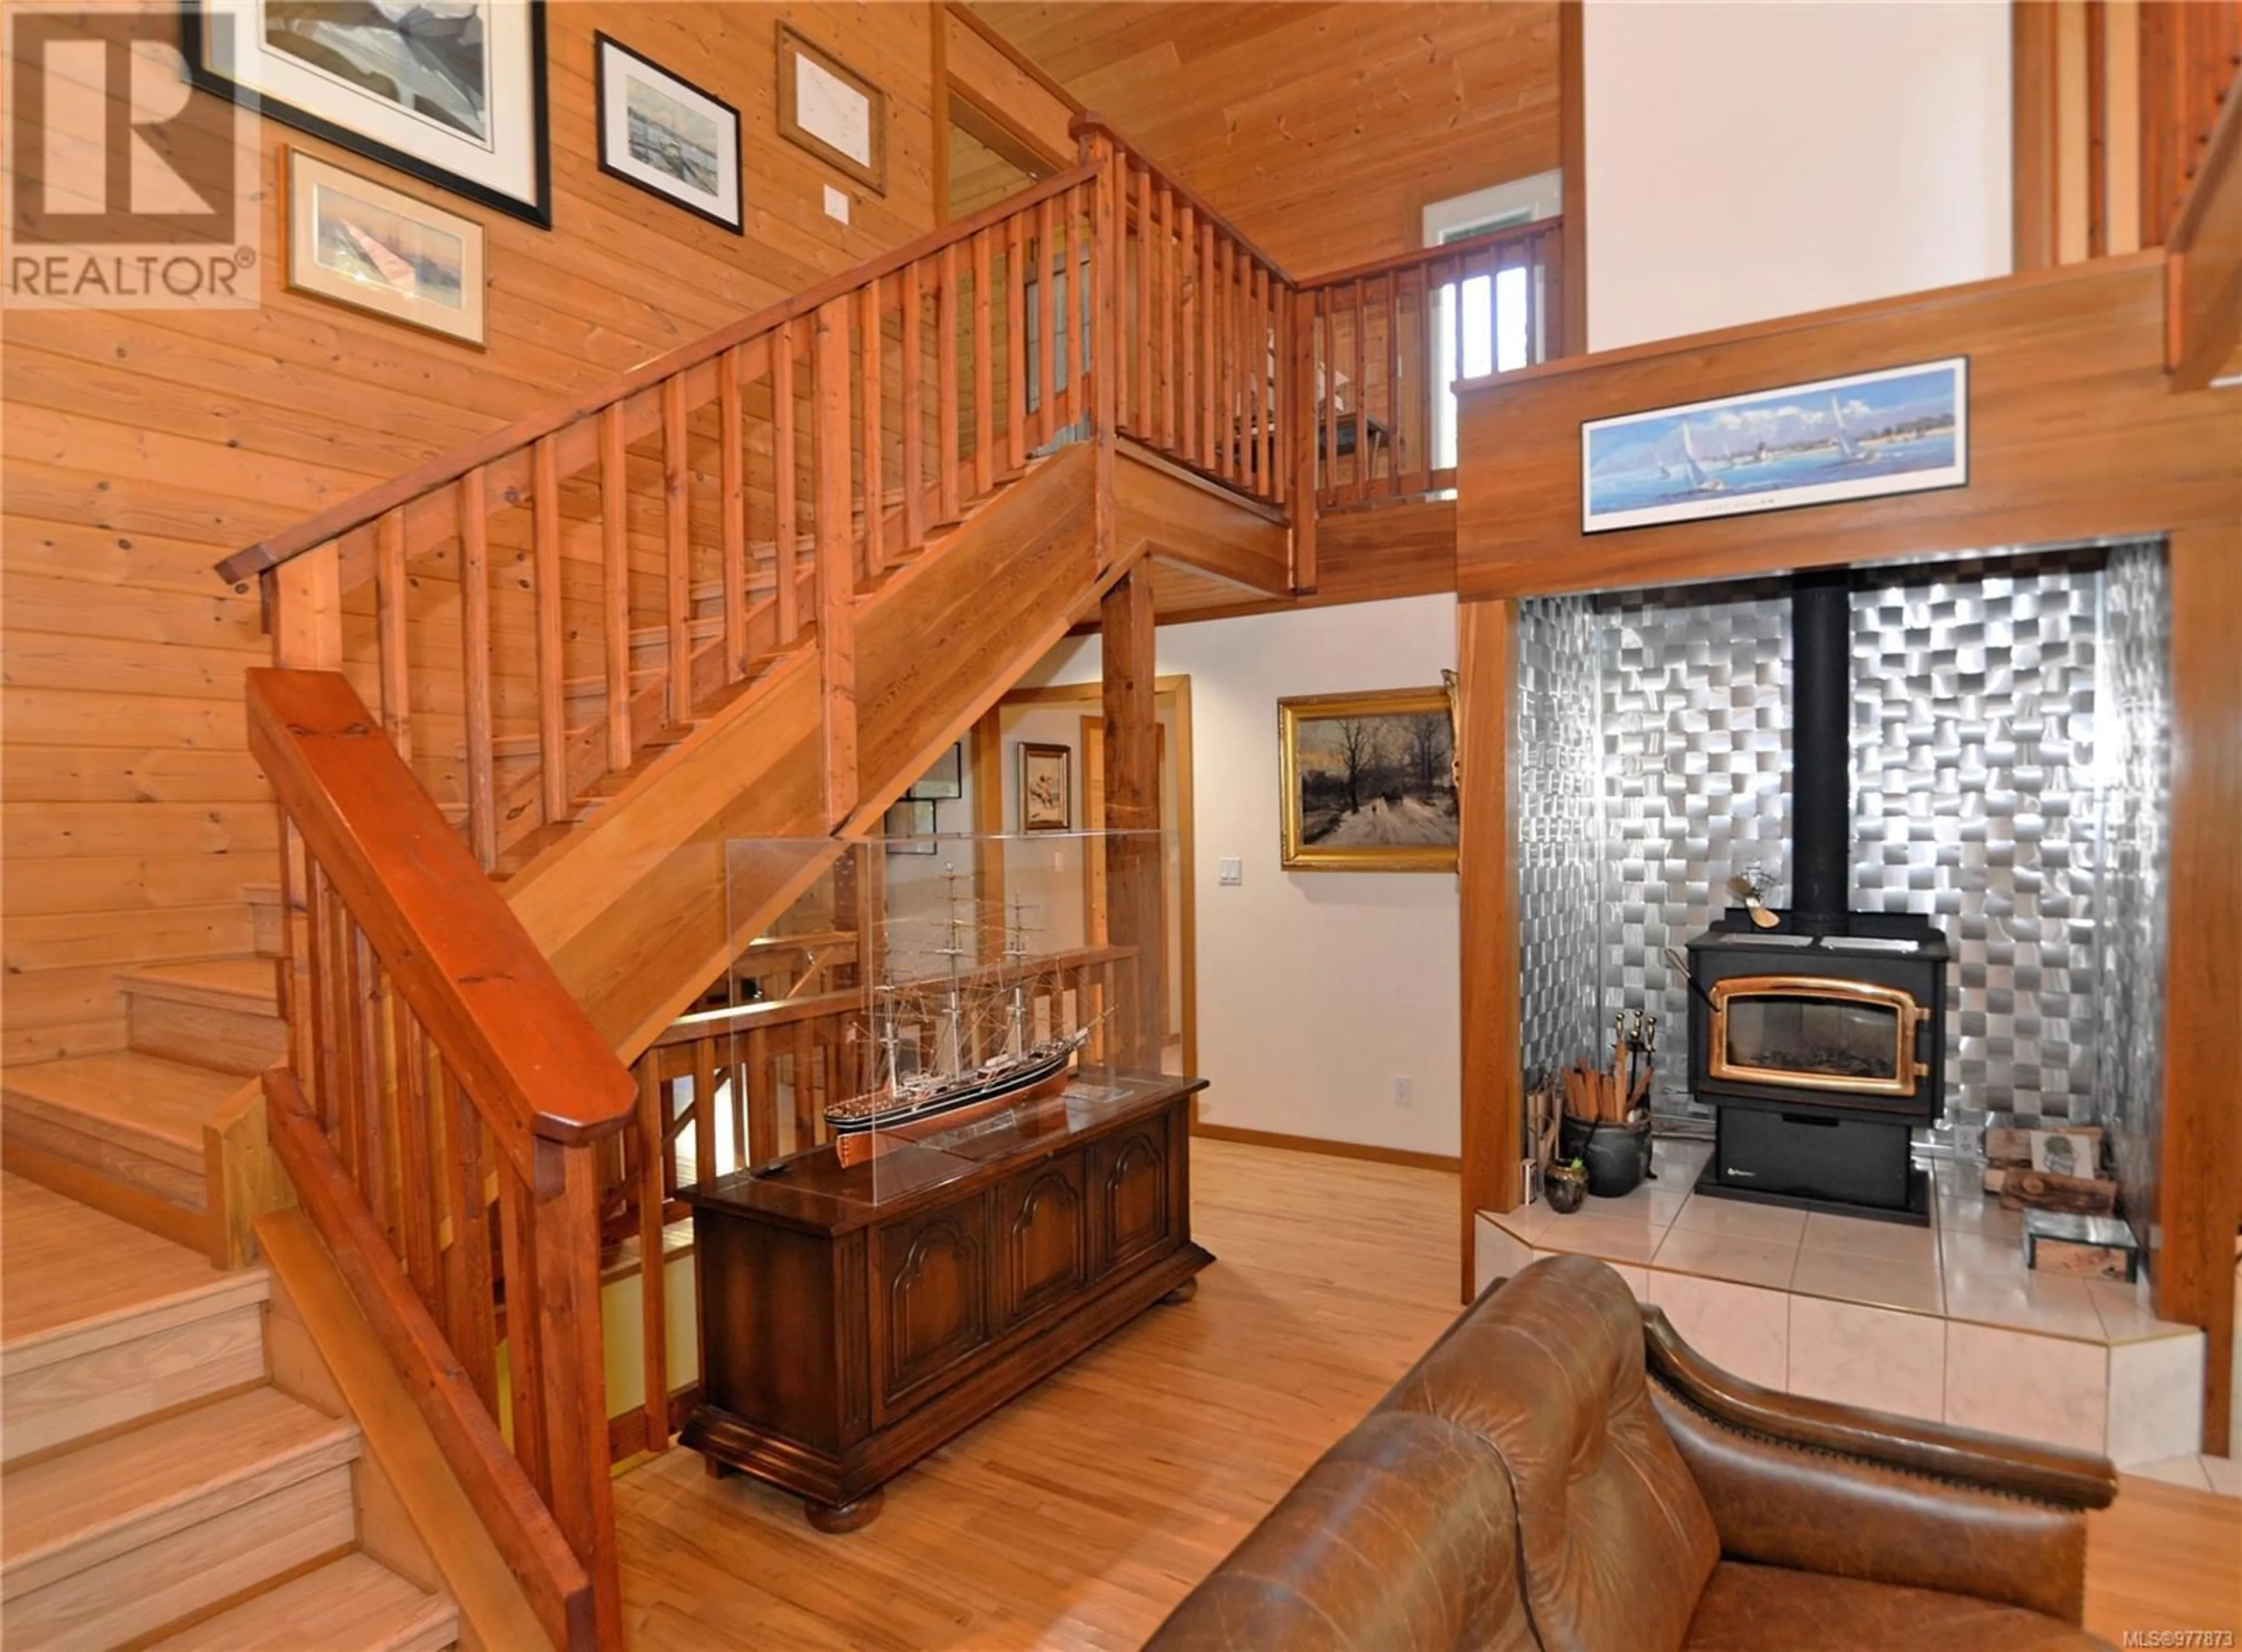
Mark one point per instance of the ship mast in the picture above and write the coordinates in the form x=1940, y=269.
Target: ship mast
x=1016, y=952
x=951, y=1054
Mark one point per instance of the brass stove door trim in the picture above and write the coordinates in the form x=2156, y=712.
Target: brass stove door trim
x=1907, y=1015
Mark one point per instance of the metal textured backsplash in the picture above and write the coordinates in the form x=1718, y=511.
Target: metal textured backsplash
x=1988, y=793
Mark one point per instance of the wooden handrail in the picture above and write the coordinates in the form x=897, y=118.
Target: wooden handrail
x=1461, y=246
x=463, y=962
x=269, y=553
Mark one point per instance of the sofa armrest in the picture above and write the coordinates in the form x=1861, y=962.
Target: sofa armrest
x=1832, y=1489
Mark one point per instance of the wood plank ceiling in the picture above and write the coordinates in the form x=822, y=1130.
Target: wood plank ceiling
x=1322, y=129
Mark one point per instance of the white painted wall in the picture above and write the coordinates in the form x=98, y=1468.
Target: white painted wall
x=1316, y=989
x=1753, y=160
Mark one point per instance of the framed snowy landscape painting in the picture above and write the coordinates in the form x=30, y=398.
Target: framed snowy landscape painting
x=1369, y=784
x=1899, y=430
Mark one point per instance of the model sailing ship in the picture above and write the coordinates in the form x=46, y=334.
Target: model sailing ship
x=953, y=1090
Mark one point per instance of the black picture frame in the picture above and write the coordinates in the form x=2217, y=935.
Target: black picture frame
x=193, y=39
x=602, y=42
x=945, y=781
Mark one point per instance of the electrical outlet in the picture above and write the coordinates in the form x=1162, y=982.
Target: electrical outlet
x=1405, y=1093
x=836, y=204
x=1230, y=869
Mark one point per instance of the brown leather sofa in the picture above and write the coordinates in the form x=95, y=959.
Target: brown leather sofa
x=1561, y=1472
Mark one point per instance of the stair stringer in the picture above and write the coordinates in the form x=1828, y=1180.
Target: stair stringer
x=633, y=907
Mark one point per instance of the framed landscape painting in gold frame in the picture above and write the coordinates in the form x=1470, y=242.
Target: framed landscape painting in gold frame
x=1368, y=782
x=359, y=243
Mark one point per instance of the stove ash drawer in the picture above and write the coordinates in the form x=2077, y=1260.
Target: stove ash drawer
x=1803, y=1152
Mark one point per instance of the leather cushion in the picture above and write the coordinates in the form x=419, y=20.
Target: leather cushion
x=1771, y=1609
x=1615, y=1540
x=1402, y=1539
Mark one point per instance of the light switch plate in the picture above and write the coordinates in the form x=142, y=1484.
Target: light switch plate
x=1230, y=868
x=836, y=204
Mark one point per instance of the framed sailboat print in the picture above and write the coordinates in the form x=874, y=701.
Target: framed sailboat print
x=1897, y=430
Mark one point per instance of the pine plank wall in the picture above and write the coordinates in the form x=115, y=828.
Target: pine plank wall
x=139, y=447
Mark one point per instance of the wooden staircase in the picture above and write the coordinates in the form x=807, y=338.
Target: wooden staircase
x=131, y=1131
x=166, y=1483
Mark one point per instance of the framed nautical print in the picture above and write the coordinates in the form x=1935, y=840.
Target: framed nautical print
x=365, y=244
x=1897, y=430
x=832, y=111
x=666, y=135
x=450, y=92
x=1369, y=781
x=1046, y=787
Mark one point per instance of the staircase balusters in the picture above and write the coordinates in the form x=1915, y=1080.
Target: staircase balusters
x=551, y=720
x=1016, y=342
x=984, y=393
x=948, y=506
x=614, y=580
x=785, y=479
x=870, y=325
x=913, y=365
x=836, y=573
x=732, y=508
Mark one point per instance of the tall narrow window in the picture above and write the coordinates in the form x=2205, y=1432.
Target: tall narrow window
x=1498, y=315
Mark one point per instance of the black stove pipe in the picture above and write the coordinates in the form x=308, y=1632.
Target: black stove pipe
x=1821, y=752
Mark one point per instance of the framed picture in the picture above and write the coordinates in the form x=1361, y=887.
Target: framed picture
x=907, y=820
x=365, y=244
x=946, y=780
x=1369, y=782
x=1899, y=430
x=832, y=111
x=2067, y=1152
x=666, y=135
x=451, y=91
x=1046, y=787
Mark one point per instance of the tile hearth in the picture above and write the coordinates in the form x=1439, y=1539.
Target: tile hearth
x=1944, y=1323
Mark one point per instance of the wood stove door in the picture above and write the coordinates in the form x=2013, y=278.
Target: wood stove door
x=1816, y=1033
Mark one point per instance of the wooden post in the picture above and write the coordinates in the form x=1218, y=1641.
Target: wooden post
x=566, y=1237
x=1132, y=807
x=835, y=585
x=1487, y=636
x=1106, y=266
x=2200, y=1179
x=1302, y=403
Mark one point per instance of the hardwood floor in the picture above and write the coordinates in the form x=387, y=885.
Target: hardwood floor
x=1081, y=1513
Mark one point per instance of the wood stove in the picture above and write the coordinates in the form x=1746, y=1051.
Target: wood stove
x=1820, y=1043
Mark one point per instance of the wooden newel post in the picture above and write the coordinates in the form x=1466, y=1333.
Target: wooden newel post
x=836, y=570
x=303, y=612
x=1133, y=859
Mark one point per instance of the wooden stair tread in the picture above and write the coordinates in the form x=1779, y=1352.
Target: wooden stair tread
x=85, y=1505
x=158, y=1105
x=72, y=1277
x=355, y=1604
x=220, y=984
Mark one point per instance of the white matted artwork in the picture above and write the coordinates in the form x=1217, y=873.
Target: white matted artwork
x=363, y=244
x=667, y=136
x=451, y=91
x=831, y=110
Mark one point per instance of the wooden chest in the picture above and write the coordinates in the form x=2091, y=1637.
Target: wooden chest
x=854, y=1317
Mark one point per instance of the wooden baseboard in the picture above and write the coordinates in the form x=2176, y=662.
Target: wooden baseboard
x=1331, y=1149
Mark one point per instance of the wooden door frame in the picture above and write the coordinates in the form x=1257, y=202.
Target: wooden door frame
x=1170, y=692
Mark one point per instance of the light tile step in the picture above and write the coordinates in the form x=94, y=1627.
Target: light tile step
x=355, y=1604
x=106, y=1324
x=134, y=1117
x=124, y=1535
